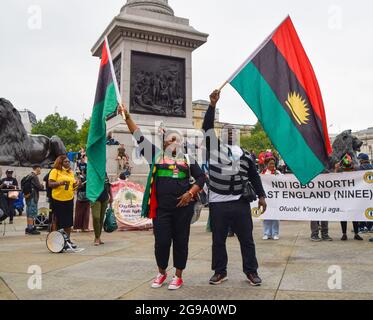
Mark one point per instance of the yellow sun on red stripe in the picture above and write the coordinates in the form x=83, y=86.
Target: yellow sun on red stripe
x=298, y=107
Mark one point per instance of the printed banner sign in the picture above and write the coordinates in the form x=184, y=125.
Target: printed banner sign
x=127, y=206
x=344, y=196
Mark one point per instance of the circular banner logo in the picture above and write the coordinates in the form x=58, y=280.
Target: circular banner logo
x=256, y=212
x=368, y=177
x=369, y=213
x=127, y=206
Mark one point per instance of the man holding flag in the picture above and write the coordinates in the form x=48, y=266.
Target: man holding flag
x=230, y=169
x=278, y=83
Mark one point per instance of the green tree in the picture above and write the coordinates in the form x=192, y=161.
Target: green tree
x=130, y=196
x=65, y=128
x=83, y=133
x=258, y=141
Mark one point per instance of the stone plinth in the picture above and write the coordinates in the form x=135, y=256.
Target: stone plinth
x=150, y=27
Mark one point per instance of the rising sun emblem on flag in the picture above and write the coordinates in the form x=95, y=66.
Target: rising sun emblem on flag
x=298, y=107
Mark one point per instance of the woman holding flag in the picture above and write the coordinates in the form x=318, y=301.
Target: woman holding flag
x=173, y=183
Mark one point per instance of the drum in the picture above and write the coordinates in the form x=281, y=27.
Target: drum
x=57, y=241
x=13, y=195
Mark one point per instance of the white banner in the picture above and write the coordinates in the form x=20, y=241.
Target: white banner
x=344, y=196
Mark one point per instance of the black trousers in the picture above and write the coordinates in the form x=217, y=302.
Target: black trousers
x=344, y=227
x=237, y=215
x=64, y=213
x=172, y=226
x=11, y=210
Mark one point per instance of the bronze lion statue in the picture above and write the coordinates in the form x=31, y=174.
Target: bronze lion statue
x=345, y=143
x=17, y=148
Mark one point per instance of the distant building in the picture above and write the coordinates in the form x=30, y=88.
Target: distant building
x=28, y=119
x=199, y=111
x=367, y=137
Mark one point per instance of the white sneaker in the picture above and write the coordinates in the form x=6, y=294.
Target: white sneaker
x=276, y=238
x=266, y=238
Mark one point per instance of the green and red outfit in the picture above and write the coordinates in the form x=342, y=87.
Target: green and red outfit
x=168, y=180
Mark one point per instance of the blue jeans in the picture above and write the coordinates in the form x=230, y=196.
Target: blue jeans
x=31, y=208
x=271, y=228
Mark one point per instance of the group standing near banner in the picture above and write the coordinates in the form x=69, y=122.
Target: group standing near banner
x=280, y=86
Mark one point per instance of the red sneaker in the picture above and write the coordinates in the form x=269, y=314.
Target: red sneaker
x=176, y=283
x=159, y=281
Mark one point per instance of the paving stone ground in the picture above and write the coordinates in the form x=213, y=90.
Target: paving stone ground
x=292, y=268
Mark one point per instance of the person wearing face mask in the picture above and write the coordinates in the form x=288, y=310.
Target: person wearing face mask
x=173, y=183
x=230, y=169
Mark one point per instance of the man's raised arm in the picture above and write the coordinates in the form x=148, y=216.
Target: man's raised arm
x=209, y=121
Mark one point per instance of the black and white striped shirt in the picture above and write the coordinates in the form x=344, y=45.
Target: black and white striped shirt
x=225, y=171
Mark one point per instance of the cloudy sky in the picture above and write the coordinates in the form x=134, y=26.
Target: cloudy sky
x=46, y=64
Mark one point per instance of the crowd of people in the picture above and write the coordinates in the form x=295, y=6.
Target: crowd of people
x=228, y=194
x=233, y=177
x=70, y=209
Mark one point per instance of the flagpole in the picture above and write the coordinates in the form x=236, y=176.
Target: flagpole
x=222, y=87
x=115, y=80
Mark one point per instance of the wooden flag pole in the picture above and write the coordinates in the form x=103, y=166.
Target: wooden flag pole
x=122, y=113
x=222, y=87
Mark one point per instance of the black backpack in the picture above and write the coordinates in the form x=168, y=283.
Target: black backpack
x=26, y=186
x=48, y=189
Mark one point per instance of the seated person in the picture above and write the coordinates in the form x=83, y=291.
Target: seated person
x=122, y=157
x=110, y=141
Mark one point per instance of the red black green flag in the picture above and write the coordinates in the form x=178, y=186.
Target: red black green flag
x=280, y=86
x=106, y=102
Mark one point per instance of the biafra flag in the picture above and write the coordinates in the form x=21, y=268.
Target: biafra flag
x=279, y=85
x=106, y=102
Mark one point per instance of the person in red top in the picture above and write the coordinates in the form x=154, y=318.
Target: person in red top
x=261, y=163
